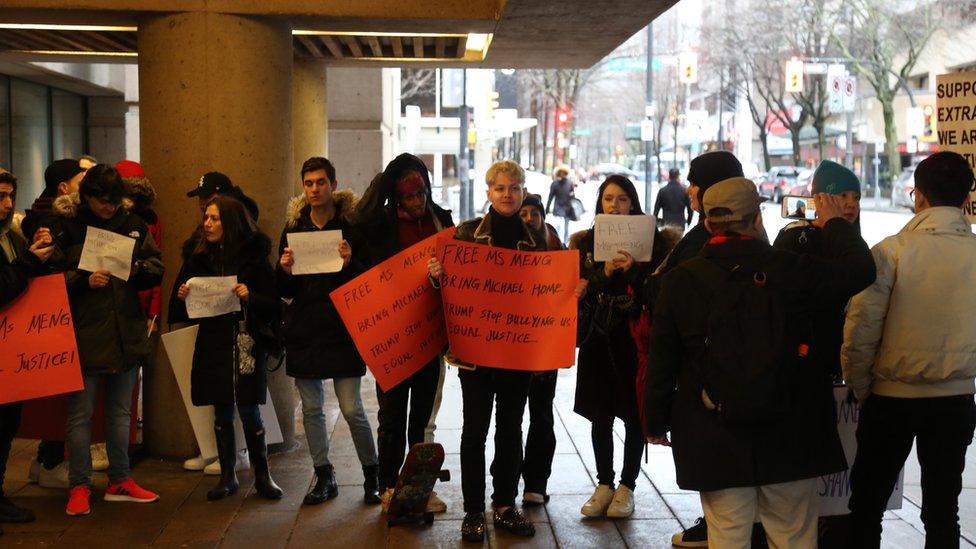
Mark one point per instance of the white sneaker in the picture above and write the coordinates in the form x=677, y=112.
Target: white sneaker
x=34, y=472
x=597, y=505
x=622, y=505
x=436, y=504
x=198, y=463
x=54, y=478
x=242, y=464
x=99, y=457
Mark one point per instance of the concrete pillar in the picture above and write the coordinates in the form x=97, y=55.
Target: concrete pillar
x=362, y=129
x=215, y=93
x=310, y=119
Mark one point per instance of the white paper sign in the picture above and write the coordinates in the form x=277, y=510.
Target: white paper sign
x=211, y=296
x=179, y=345
x=835, y=489
x=315, y=252
x=631, y=233
x=107, y=251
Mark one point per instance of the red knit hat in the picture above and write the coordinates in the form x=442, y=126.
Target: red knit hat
x=128, y=168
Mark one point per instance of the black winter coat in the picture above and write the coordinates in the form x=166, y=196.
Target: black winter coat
x=607, y=374
x=828, y=322
x=801, y=444
x=214, y=378
x=673, y=199
x=318, y=344
x=110, y=326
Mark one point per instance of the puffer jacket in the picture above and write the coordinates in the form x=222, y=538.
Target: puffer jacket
x=110, y=326
x=317, y=342
x=18, y=267
x=910, y=334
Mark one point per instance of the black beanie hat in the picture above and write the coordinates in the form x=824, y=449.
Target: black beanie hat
x=535, y=201
x=708, y=169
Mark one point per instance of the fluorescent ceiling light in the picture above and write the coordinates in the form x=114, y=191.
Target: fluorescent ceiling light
x=18, y=26
x=77, y=53
x=478, y=41
x=300, y=32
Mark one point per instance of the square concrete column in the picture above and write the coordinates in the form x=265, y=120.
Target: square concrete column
x=362, y=128
x=215, y=93
x=310, y=117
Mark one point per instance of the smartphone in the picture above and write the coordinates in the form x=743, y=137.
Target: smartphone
x=799, y=207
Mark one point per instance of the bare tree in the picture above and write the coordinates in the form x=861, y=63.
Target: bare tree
x=417, y=82
x=883, y=41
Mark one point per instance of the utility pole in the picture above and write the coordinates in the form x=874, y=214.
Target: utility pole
x=463, y=179
x=648, y=112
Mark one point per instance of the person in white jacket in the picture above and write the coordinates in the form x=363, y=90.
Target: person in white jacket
x=909, y=355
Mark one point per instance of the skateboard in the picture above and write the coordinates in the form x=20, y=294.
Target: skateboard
x=420, y=471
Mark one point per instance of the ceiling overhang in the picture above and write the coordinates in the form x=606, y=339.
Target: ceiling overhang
x=472, y=33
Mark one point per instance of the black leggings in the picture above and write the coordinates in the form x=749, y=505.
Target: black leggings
x=602, y=437
x=9, y=424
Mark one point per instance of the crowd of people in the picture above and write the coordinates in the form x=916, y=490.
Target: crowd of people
x=723, y=346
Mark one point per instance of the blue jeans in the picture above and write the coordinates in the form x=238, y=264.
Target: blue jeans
x=118, y=404
x=250, y=416
x=347, y=392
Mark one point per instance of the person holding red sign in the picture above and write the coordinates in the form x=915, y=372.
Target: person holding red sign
x=396, y=212
x=481, y=387
x=223, y=376
x=110, y=329
x=318, y=344
x=17, y=264
x=606, y=384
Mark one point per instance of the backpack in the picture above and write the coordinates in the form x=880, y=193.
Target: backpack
x=749, y=363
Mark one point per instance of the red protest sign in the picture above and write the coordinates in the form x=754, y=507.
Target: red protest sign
x=394, y=315
x=38, y=355
x=509, y=309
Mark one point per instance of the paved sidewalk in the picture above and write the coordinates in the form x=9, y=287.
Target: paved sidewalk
x=183, y=517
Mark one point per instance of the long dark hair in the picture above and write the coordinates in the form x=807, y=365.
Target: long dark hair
x=237, y=224
x=627, y=186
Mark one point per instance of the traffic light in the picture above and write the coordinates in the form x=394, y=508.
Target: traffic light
x=563, y=118
x=491, y=104
x=688, y=67
x=928, y=114
x=794, y=76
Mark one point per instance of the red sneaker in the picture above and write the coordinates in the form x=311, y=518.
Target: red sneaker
x=128, y=490
x=79, y=500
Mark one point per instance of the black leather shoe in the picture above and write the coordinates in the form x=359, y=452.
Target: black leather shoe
x=325, y=486
x=473, y=527
x=515, y=522
x=12, y=513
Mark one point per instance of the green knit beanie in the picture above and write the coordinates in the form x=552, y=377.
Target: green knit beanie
x=832, y=178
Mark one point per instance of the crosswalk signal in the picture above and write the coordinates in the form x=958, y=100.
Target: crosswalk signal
x=563, y=116
x=928, y=115
x=794, y=76
x=688, y=67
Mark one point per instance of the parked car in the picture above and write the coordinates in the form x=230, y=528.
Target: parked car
x=804, y=183
x=902, y=187
x=778, y=182
x=603, y=169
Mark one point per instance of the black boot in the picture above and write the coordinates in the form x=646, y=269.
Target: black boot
x=370, y=494
x=258, y=452
x=325, y=486
x=227, y=456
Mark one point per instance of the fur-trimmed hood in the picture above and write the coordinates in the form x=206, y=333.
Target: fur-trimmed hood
x=345, y=204
x=68, y=205
x=140, y=191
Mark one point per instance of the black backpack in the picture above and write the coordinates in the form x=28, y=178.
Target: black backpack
x=750, y=358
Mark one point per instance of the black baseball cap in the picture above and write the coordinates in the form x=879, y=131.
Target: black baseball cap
x=60, y=171
x=212, y=183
